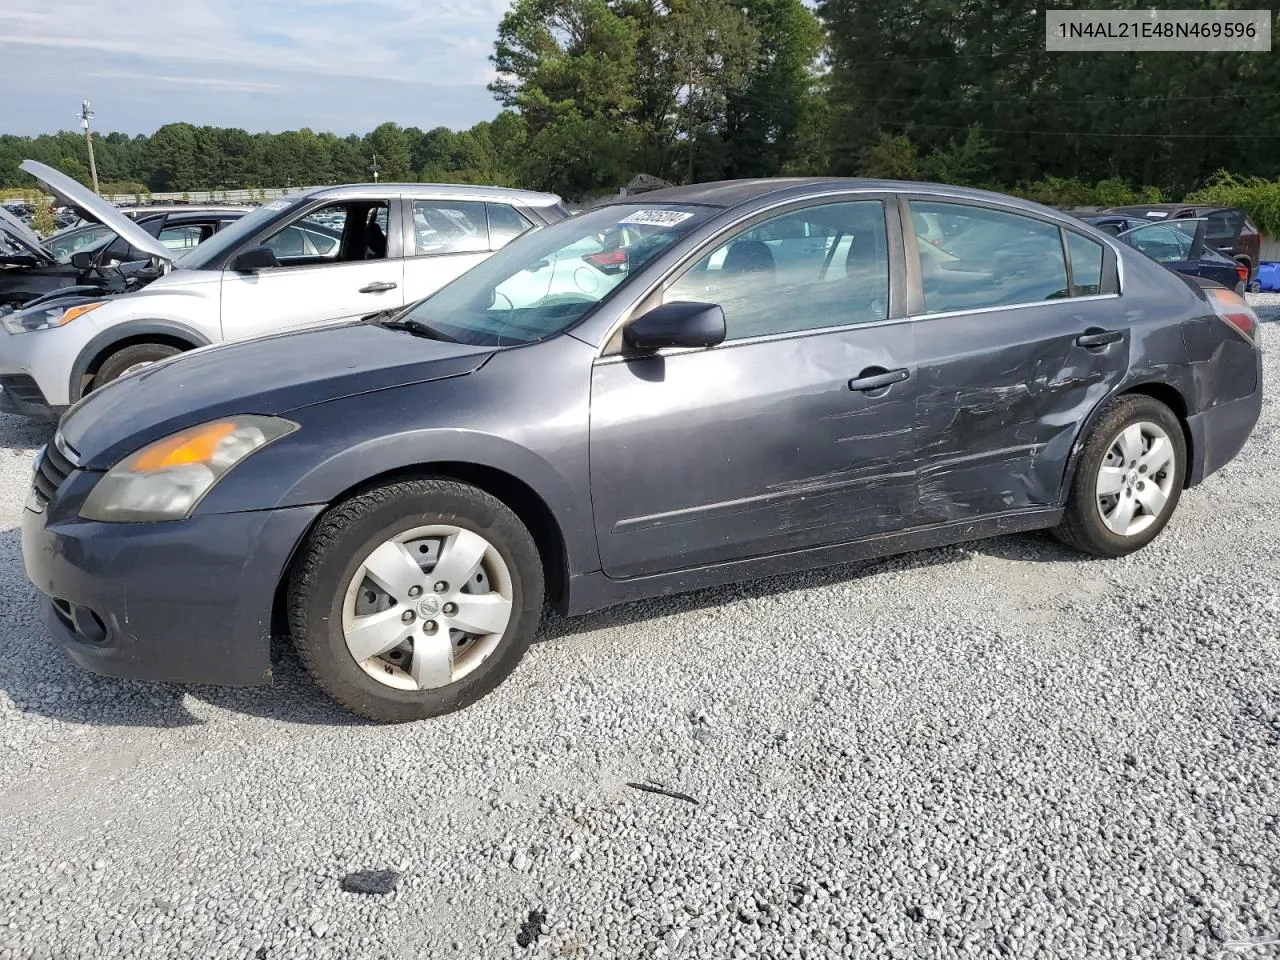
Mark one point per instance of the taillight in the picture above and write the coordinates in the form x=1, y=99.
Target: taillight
x=610, y=261
x=1232, y=308
x=1242, y=272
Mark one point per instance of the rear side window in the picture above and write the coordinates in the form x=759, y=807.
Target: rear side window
x=1086, y=265
x=450, y=226
x=505, y=224
x=972, y=258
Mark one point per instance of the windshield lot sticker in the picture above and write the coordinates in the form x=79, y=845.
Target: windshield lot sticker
x=657, y=218
x=278, y=205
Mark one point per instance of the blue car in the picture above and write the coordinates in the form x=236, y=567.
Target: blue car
x=1178, y=244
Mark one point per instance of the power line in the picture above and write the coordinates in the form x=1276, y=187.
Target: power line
x=1085, y=136
x=1039, y=52
x=986, y=100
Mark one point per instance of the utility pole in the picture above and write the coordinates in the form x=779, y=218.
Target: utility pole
x=375, y=168
x=85, y=116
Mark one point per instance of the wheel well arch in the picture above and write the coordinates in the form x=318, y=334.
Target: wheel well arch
x=523, y=500
x=1245, y=259
x=1172, y=398
x=98, y=359
x=97, y=350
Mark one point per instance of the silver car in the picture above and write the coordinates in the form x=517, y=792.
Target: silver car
x=324, y=254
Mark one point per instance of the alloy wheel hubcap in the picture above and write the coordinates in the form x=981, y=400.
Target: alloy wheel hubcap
x=427, y=607
x=1136, y=479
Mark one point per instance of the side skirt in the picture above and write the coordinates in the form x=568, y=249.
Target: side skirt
x=594, y=591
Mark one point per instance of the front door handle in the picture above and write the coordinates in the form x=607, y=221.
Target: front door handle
x=877, y=378
x=1099, y=338
x=380, y=287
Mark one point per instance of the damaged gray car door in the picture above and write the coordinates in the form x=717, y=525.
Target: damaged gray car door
x=1019, y=335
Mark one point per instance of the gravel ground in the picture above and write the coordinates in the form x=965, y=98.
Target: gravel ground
x=992, y=750
x=1267, y=305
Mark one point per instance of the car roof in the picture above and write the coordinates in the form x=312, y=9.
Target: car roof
x=425, y=191
x=137, y=210
x=1138, y=209
x=732, y=193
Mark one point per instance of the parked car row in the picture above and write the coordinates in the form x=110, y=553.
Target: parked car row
x=506, y=407
x=95, y=256
x=327, y=254
x=1221, y=244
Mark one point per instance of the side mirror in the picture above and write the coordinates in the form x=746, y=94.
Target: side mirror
x=255, y=259
x=82, y=260
x=679, y=324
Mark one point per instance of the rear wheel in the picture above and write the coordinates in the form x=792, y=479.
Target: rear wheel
x=1128, y=479
x=415, y=599
x=131, y=359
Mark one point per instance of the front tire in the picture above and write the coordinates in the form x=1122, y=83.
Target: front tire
x=415, y=599
x=1128, y=479
x=130, y=359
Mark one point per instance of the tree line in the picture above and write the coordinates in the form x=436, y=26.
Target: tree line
x=593, y=92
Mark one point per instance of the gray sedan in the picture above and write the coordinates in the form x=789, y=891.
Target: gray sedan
x=704, y=385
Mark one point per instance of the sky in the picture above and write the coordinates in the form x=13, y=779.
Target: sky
x=340, y=65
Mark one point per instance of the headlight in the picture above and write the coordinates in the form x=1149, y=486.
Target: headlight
x=45, y=318
x=166, y=479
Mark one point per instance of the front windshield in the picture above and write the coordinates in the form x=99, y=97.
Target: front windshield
x=90, y=239
x=549, y=279
x=229, y=237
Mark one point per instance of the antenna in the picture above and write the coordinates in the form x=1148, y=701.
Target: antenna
x=375, y=168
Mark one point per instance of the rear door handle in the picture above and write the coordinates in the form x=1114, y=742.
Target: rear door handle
x=380, y=287
x=1099, y=338
x=874, y=378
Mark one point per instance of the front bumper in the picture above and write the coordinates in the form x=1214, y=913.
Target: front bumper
x=42, y=361
x=186, y=602
x=21, y=395
x=1220, y=432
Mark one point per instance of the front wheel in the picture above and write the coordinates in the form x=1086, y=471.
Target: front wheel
x=1128, y=479
x=131, y=359
x=415, y=599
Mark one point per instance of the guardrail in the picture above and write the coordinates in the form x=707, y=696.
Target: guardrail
x=197, y=196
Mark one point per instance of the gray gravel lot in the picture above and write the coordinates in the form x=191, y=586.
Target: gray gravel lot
x=984, y=751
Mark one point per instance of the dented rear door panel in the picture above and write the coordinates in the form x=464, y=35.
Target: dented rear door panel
x=1002, y=396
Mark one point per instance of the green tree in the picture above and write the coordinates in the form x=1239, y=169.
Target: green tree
x=171, y=158
x=568, y=68
x=392, y=146
x=766, y=121
x=890, y=157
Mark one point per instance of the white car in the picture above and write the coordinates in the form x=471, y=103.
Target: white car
x=320, y=255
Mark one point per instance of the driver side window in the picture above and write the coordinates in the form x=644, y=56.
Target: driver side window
x=337, y=233
x=821, y=266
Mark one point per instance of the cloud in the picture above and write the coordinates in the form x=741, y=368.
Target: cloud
x=278, y=63
x=220, y=83
x=394, y=40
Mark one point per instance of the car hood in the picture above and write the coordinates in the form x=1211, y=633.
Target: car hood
x=91, y=206
x=272, y=375
x=23, y=238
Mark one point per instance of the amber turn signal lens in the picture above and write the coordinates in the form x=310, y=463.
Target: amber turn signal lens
x=73, y=312
x=195, y=446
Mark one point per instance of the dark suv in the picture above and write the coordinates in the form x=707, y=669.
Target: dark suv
x=1231, y=231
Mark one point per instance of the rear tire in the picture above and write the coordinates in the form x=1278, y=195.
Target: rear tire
x=1128, y=479
x=132, y=358
x=386, y=584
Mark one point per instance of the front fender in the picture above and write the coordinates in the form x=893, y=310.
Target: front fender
x=105, y=339
x=535, y=431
